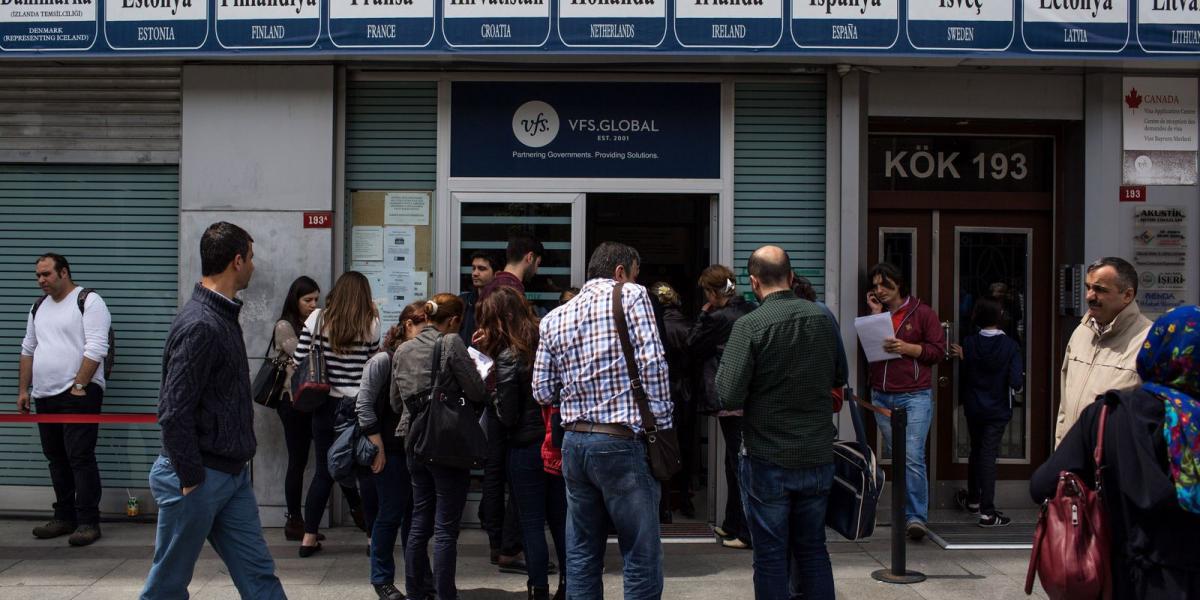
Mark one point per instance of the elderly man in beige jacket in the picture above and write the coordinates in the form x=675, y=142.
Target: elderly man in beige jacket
x=1102, y=353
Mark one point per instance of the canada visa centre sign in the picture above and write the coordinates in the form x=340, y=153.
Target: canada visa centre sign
x=592, y=129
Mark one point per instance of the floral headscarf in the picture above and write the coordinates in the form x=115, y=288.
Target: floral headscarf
x=1168, y=365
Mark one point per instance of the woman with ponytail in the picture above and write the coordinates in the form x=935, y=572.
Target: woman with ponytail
x=439, y=493
x=706, y=343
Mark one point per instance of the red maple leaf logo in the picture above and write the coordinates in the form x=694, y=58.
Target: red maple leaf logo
x=1134, y=99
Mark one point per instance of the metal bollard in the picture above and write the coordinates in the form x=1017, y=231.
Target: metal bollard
x=898, y=573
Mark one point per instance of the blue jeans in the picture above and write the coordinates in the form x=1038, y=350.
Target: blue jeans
x=785, y=512
x=919, y=405
x=394, y=490
x=221, y=509
x=609, y=474
x=439, y=497
x=540, y=499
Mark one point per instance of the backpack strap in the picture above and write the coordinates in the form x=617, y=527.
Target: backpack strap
x=83, y=294
x=36, y=305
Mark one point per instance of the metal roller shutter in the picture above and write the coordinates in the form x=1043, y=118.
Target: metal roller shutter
x=391, y=135
x=52, y=113
x=119, y=227
x=779, y=175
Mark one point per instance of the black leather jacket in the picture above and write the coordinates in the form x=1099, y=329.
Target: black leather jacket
x=519, y=413
x=706, y=343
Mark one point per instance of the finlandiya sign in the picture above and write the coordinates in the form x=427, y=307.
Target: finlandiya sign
x=1160, y=131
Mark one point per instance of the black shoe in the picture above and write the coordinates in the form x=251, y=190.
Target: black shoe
x=388, y=591
x=664, y=517
x=293, y=528
x=494, y=557
x=513, y=565
x=53, y=529
x=994, y=520
x=688, y=510
x=962, y=499
x=359, y=521
x=916, y=530
x=85, y=535
x=307, y=551
x=539, y=592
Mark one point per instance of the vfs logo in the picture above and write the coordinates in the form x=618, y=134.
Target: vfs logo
x=535, y=124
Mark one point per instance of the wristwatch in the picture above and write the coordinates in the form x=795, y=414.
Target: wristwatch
x=79, y=387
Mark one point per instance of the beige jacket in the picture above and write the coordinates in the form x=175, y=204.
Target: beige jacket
x=1097, y=362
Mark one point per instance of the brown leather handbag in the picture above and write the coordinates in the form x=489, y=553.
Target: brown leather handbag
x=662, y=445
x=1071, y=543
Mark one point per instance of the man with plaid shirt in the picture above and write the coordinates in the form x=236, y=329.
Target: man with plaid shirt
x=580, y=365
x=779, y=364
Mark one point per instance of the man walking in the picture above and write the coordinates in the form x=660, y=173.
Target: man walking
x=483, y=271
x=200, y=482
x=580, y=365
x=523, y=257
x=778, y=367
x=1102, y=352
x=66, y=340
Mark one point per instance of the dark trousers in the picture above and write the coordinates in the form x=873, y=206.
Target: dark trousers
x=497, y=517
x=323, y=419
x=542, y=500
x=394, y=488
x=981, y=468
x=735, y=514
x=439, y=497
x=70, y=449
x=368, y=492
x=298, y=436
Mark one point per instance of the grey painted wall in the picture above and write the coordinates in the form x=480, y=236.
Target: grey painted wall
x=258, y=151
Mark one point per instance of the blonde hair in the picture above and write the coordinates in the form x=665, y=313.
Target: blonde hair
x=349, y=312
x=667, y=296
x=718, y=279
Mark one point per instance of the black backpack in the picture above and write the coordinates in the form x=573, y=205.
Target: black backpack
x=111, y=357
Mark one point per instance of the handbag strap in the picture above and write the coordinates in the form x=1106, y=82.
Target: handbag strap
x=649, y=423
x=435, y=370
x=1098, y=453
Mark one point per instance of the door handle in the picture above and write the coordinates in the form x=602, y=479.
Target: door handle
x=943, y=381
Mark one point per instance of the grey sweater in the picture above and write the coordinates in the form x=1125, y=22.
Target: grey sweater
x=411, y=366
x=204, y=406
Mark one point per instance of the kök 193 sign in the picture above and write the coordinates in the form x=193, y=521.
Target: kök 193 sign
x=577, y=129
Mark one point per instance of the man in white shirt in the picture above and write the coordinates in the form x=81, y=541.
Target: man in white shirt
x=66, y=341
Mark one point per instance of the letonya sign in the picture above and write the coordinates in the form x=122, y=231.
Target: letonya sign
x=1076, y=25
x=610, y=130
x=931, y=163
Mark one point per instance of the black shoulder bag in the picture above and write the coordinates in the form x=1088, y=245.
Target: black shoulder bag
x=445, y=430
x=662, y=445
x=267, y=388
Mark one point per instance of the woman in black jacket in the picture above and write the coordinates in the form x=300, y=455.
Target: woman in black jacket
x=1151, y=491
x=508, y=331
x=706, y=343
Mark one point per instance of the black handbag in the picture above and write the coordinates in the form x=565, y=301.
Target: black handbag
x=857, y=482
x=445, y=430
x=662, y=445
x=310, y=382
x=267, y=388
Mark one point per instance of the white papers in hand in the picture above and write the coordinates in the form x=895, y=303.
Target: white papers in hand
x=872, y=330
x=483, y=364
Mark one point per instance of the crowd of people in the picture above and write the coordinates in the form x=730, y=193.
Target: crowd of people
x=563, y=404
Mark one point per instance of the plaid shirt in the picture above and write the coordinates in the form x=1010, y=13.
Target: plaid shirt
x=580, y=364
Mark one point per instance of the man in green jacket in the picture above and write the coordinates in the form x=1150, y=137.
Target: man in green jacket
x=779, y=365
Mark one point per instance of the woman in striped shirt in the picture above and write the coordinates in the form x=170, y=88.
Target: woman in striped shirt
x=349, y=335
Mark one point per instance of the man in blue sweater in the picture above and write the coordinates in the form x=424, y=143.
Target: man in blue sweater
x=200, y=482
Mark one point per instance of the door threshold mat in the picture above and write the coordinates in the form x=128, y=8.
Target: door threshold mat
x=969, y=536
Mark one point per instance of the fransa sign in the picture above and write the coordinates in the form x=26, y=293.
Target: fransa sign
x=1060, y=28
x=610, y=130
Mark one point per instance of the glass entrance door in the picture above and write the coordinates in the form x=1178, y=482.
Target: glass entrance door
x=485, y=221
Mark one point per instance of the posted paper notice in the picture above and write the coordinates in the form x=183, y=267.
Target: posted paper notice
x=399, y=247
x=872, y=330
x=366, y=243
x=406, y=208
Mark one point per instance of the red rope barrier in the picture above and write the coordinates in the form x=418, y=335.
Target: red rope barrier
x=128, y=418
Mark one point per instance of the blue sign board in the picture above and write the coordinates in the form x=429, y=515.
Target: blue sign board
x=268, y=23
x=62, y=25
x=585, y=129
x=381, y=23
x=729, y=23
x=961, y=24
x=1169, y=26
x=496, y=23
x=846, y=24
x=1076, y=26
x=156, y=24
x=612, y=23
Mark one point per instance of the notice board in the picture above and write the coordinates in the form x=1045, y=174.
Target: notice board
x=391, y=242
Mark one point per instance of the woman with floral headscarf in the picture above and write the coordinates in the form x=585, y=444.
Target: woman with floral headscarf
x=1151, y=483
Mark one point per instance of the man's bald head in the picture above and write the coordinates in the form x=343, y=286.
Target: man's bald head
x=771, y=266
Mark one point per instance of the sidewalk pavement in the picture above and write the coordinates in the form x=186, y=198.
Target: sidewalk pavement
x=116, y=566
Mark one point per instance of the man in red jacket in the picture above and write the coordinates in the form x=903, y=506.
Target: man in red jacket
x=907, y=381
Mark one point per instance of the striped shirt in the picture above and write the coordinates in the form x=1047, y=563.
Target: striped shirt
x=580, y=364
x=344, y=369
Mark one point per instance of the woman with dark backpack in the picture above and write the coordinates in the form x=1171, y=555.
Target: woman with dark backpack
x=1151, y=477
x=439, y=492
x=508, y=332
x=348, y=332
